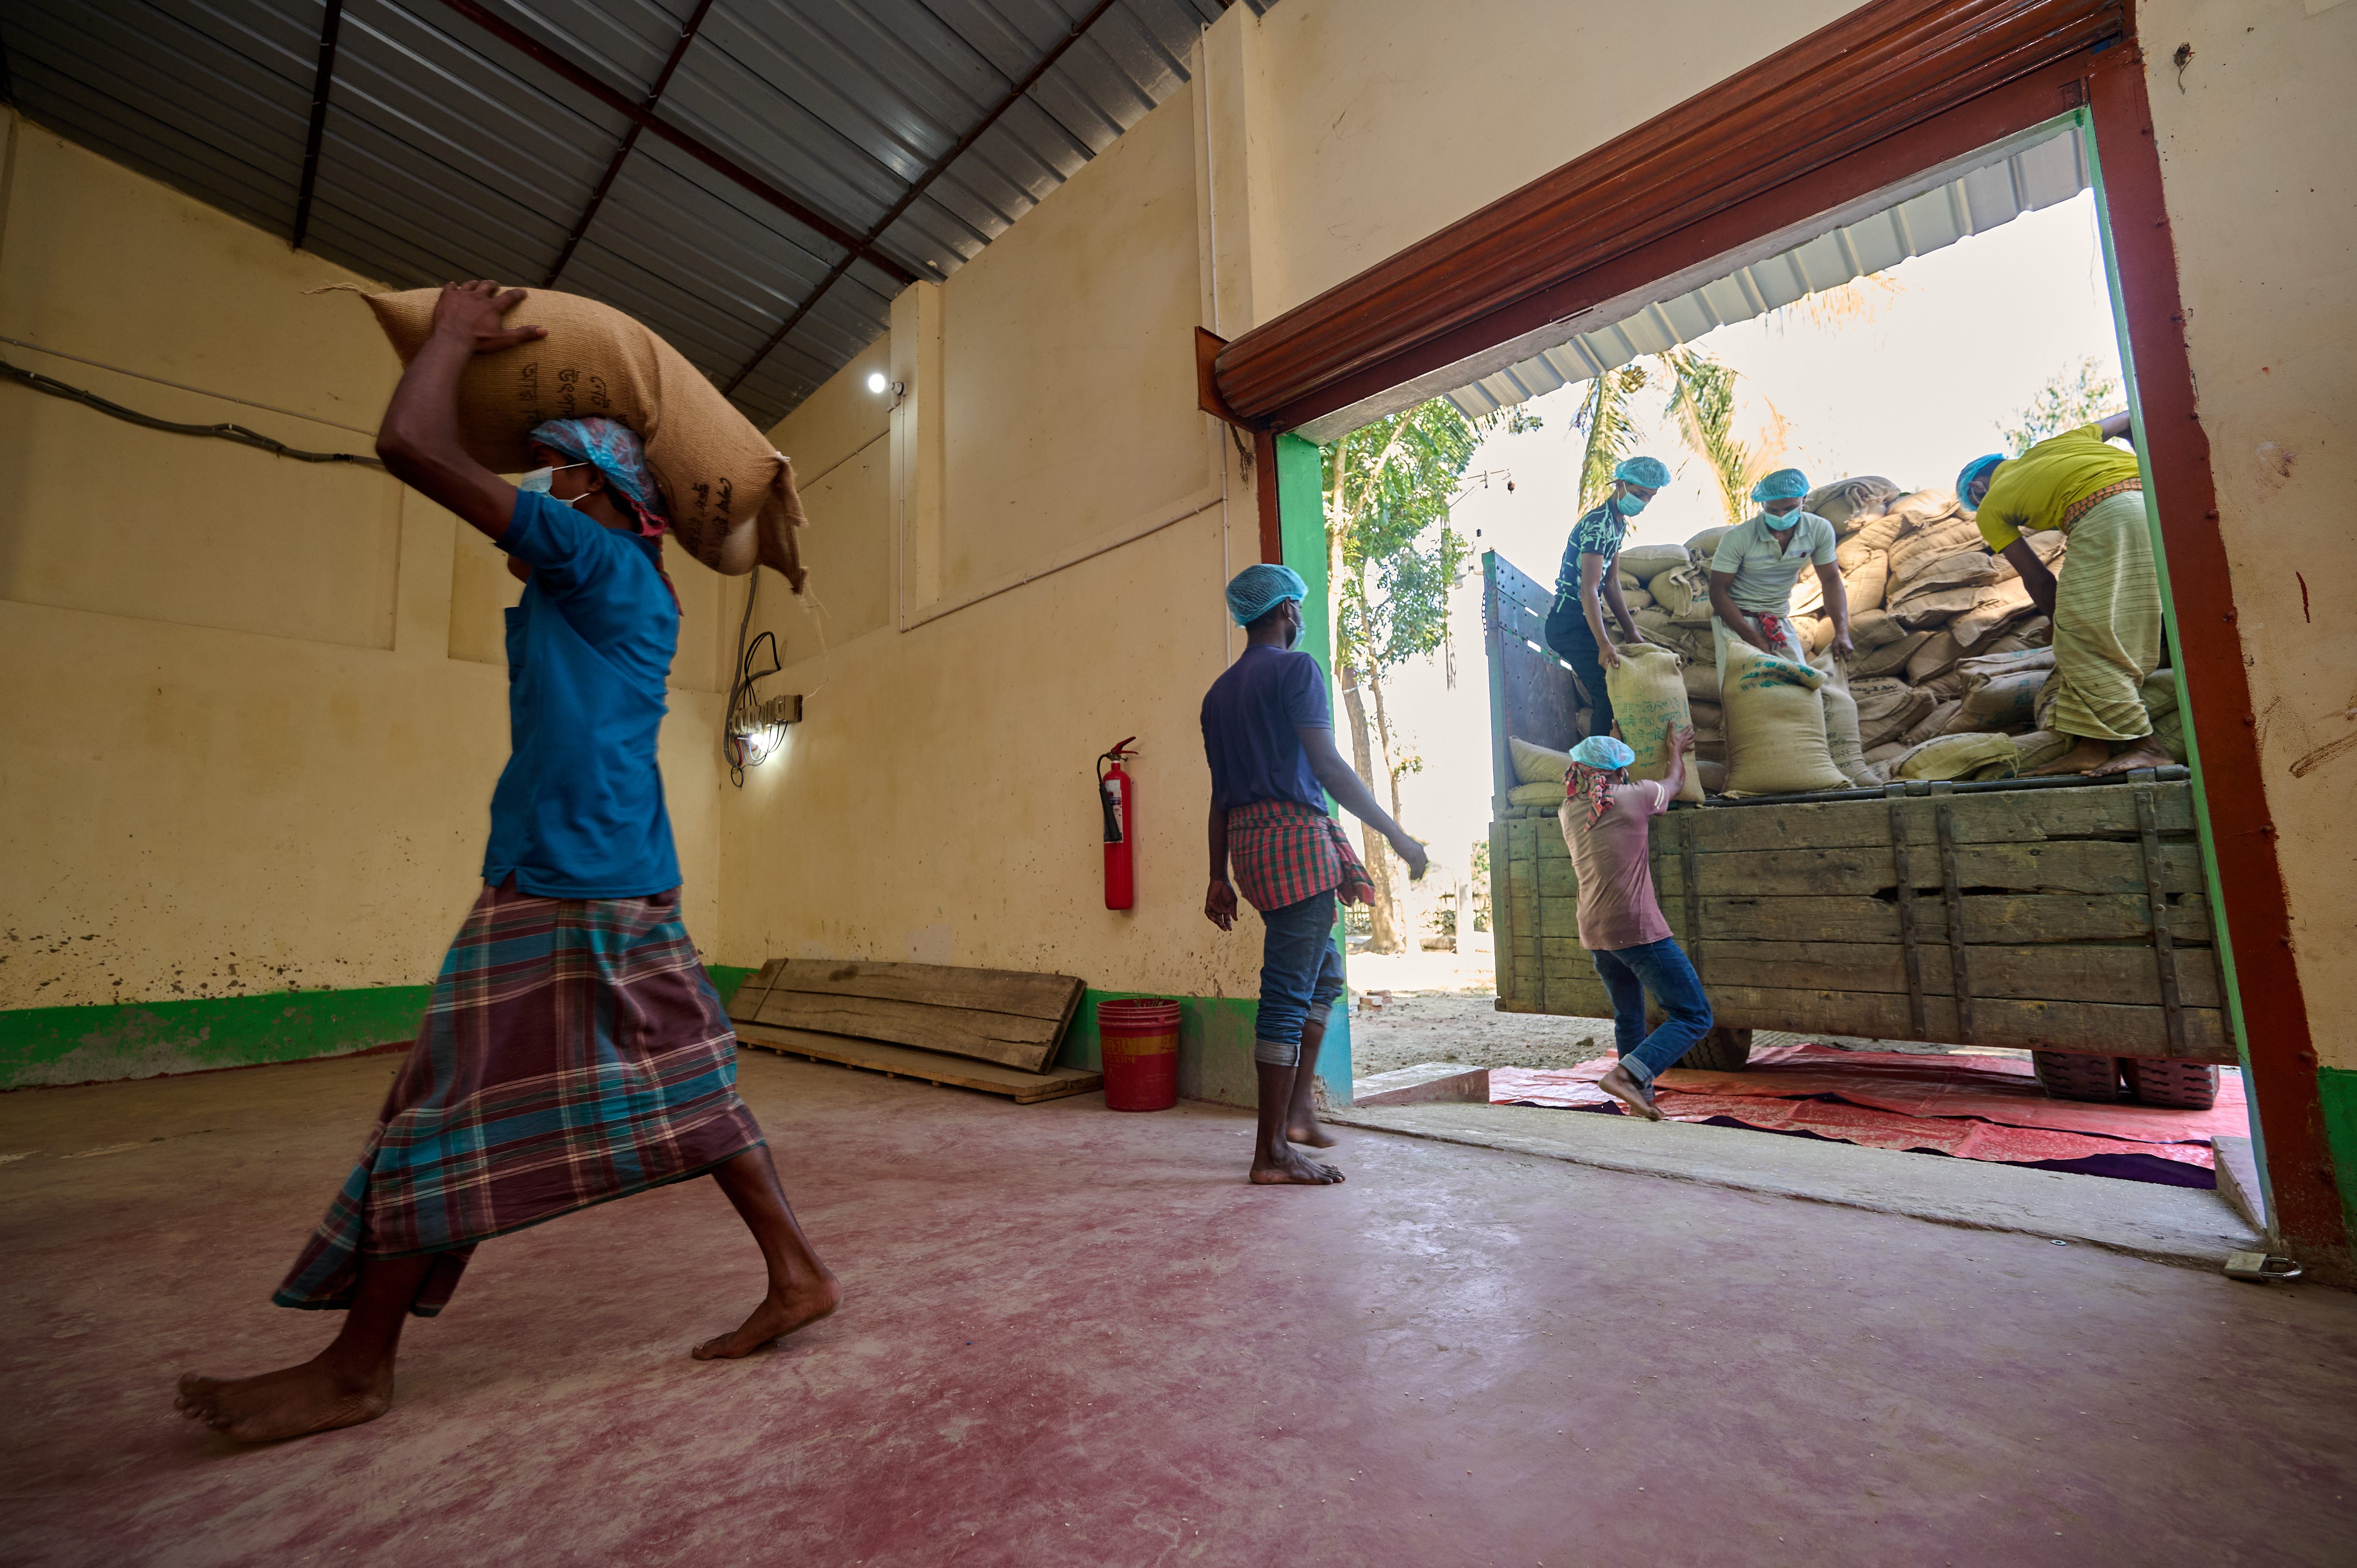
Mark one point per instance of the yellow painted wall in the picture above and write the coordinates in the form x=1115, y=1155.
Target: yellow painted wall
x=251, y=734
x=2255, y=154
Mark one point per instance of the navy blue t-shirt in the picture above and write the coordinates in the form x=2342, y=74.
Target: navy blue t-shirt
x=1249, y=717
x=578, y=812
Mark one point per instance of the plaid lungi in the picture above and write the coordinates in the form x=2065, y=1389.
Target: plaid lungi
x=573, y=1052
x=1284, y=851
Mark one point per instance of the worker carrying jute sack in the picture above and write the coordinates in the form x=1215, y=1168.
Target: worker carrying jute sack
x=1588, y=582
x=1608, y=827
x=572, y=1050
x=726, y=495
x=2106, y=604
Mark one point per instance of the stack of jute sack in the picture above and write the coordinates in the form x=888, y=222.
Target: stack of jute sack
x=1952, y=673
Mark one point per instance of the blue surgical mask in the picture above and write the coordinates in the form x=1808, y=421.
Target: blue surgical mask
x=1629, y=504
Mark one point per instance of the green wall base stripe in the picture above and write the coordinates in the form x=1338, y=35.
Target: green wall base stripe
x=148, y=1039
x=727, y=977
x=2336, y=1088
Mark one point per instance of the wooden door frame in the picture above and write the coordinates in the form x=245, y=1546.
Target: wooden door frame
x=1777, y=144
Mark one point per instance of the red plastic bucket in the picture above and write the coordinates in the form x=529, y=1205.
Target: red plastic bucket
x=1138, y=1039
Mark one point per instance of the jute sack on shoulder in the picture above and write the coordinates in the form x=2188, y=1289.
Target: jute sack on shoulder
x=730, y=494
x=1649, y=701
x=1775, y=726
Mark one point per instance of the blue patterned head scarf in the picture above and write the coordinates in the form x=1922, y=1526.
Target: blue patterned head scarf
x=1784, y=485
x=1594, y=761
x=1256, y=590
x=616, y=451
x=1650, y=473
x=1978, y=468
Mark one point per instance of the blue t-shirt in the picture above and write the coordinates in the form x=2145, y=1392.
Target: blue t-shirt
x=578, y=812
x=1249, y=717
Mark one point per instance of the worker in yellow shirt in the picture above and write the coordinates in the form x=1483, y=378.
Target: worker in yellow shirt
x=2106, y=604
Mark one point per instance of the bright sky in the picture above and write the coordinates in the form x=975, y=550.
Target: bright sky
x=1968, y=338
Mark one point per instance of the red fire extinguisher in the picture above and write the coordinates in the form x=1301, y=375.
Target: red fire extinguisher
x=1114, y=794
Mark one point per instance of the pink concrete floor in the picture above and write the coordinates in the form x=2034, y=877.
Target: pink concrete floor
x=1077, y=1337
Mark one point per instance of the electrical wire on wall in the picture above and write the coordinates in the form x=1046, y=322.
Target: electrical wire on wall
x=754, y=728
x=237, y=433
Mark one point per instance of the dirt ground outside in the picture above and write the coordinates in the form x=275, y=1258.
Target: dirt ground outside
x=1443, y=1008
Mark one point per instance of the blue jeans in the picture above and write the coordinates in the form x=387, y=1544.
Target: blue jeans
x=1300, y=973
x=1568, y=636
x=1661, y=967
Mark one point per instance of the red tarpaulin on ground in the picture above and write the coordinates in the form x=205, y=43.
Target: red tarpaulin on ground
x=1972, y=1107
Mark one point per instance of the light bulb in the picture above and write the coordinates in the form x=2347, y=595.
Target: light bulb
x=877, y=381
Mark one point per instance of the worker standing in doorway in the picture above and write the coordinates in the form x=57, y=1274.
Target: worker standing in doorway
x=2105, y=606
x=1268, y=733
x=572, y=1050
x=1756, y=564
x=1588, y=582
x=1607, y=825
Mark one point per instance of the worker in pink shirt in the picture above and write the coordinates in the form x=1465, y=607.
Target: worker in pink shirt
x=1606, y=822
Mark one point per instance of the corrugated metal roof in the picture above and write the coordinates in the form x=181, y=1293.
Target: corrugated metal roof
x=448, y=153
x=1912, y=219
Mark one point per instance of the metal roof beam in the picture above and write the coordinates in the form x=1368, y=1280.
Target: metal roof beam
x=630, y=140
x=855, y=248
x=933, y=171
x=320, y=82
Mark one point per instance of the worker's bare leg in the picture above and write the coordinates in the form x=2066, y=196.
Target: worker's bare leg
x=1622, y=1086
x=349, y=1383
x=2146, y=752
x=1301, y=1117
x=801, y=1291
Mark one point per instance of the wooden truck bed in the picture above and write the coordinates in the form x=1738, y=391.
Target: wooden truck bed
x=2069, y=918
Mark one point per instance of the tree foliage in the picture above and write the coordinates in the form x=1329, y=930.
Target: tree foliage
x=2080, y=395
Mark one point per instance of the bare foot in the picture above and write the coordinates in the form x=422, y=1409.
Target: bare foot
x=2083, y=756
x=2145, y=753
x=294, y=1401
x=1310, y=1134
x=780, y=1314
x=1290, y=1169
x=1620, y=1086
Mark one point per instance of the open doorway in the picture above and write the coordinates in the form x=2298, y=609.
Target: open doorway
x=2052, y=945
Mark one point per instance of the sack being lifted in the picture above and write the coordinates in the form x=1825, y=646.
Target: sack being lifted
x=1649, y=701
x=1775, y=726
x=730, y=495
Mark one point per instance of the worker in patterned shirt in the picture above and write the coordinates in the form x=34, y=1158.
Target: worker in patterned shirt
x=1268, y=732
x=1588, y=584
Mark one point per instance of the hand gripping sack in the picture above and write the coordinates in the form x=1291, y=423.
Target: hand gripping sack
x=1775, y=726
x=1649, y=701
x=730, y=495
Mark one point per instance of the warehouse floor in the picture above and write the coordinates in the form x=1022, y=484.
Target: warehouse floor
x=1073, y=1336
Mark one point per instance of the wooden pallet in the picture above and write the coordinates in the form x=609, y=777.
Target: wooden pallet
x=932, y=1067
x=2070, y=919
x=1004, y=1017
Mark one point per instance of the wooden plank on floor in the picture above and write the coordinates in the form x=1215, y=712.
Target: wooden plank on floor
x=1007, y=1038
x=745, y=1005
x=932, y=1067
x=1026, y=994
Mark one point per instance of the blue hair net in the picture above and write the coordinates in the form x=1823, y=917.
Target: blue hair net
x=1649, y=472
x=1784, y=485
x=1256, y=590
x=1602, y=750
x=1978, y=468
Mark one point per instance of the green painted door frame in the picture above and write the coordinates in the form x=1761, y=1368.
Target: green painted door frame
x=1301, y=521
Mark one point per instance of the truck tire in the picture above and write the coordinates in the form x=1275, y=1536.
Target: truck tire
x=2180, y=1085
x=1724, y=1049
x=2067, y=1075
